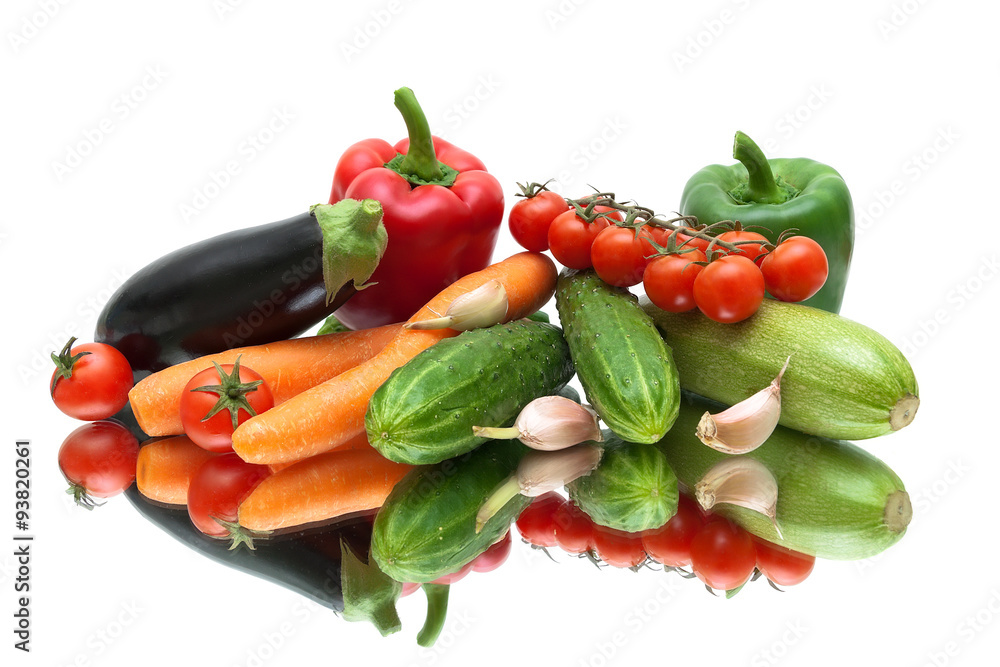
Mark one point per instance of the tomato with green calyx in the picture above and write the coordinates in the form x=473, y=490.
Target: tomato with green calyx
x=217, y=400
x=620, y=254
x=91, y=380
x=571, y=237
x=98, y=460
x=753, y=251
x=537, y=522
x=722, y=554
x=730, y=289
x=781, y=565
x=669, y=280
x=795, y=270
x=670, y=544
x=530, y=218
x=215, y=492
x=618, y=548
x=573, y=528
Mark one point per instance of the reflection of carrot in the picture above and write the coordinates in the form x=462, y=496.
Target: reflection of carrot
x=331, y=413
x=165, y=467
x=319, y=488
x=289, y=367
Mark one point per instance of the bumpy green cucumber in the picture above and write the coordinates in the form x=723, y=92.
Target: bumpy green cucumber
x=634, y=488
x=843, y=381
x=427, y=526
x=626, y=370
x=425, y=411
x=835, y=500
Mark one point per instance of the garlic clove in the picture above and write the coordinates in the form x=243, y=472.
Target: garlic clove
x=745, y=426
x=482, y=307
x=740, y=481
x=549, y=423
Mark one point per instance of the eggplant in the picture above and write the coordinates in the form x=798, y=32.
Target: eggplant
x=246, y=287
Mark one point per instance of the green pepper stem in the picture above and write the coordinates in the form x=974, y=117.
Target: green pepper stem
x=420, y=158
x=761, y=188
x=437, y=610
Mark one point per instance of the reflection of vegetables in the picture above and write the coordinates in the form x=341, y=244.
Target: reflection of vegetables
x=844, y=381
x=246, y=287
x=216, y=490
x=670, y=544
x=91, y=380
x=722, y=554
x=98, y=460
x=442, y=210
x=164, y=469
x=329, y=414
x=289, y=367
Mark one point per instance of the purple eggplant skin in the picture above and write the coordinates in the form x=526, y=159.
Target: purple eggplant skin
x=246, y=287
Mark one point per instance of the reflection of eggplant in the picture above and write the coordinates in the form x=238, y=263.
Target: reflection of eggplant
x=307, y=563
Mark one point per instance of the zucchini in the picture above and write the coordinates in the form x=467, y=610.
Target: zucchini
x=425, y=411
x=835, y=500
x=427, y=526
x=843, y=381
x=633, y=489
x=626, y=370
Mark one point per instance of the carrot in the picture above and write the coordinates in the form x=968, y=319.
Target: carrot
x=320, y=488
x=289, y=367
x=360, y=441
x=331, y=413
x=164, y=469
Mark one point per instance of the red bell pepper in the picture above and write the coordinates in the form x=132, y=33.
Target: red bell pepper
x=441, y=209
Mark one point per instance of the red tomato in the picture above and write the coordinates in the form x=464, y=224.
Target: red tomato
x=91, y=381
x=689, y=241
x=671, y=543
x=570, y=237
x=619, y=255
x=408, y=588
x=229, y=398
x=216, y=490
x=455, y=576
x=669, y=280
x=795, y=269
x=753, y=251
x=782, y=565
x=618, y=548
x=493, y=557
x=722, y=554
x=537, y=522
x=574, y=530
x=730, y=289
x=98, y=459
x=530, y=218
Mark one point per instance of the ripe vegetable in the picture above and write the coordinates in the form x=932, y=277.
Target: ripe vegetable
x=782, y=565
x=574, y=531
x=215, y=492
x=530, y=217
x=217, y=400
x=670, y=544
x=619, y=255
x=742, y=237
x=571, y=236
x=91, y=380
x=618, y=548
x=668, y=280
x=795, y=270
x=537, y=522
x=98, y=460
x=722, y=554
x=165, y=467
x=493, y=557
x=730, y=289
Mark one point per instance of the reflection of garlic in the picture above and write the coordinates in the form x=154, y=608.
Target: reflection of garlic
x=746, y=425
x=548, y=423
x=482, y=307
x=740, y=481
x=540, y=472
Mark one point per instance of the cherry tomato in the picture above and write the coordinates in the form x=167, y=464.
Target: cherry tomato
x=98, y=459
x=670, y=544
x=229, y=398
x=530, y=218
x=574, y=529
x=570, y=236
x=722, y=554
x=216, y=490
x=618, y=548
x=753, y=251
x=782, y=565
x=689, y=241
x=795, y=269
x=729, y=289
x=408, y=588
x=669, y=280
x=91, y=381
x=455, y=576
x=619, y=255
x=493, y=557
x=537, y=522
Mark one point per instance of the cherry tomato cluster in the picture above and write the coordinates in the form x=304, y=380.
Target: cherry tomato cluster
x=719, y=552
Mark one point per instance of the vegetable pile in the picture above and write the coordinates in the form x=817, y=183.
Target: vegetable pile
x=397, y=448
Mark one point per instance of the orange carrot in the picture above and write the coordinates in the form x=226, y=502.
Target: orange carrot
x=331, y=413
x=289, y=367
x=320, y=488
x=164, y=469
x=360, y=441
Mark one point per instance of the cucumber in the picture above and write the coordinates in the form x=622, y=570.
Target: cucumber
x=626, y=370
x=835, y=500
x=843, y=380
x=633, y=489
x=424, y=412
x=427, y=526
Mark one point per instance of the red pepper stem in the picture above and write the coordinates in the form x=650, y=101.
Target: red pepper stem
x=420, y=158
x=761, y=188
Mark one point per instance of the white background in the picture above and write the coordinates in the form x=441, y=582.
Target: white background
x=634, y=97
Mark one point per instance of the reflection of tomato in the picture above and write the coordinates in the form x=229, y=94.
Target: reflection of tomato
x=574, y=530
x=91, y=381
x=98, y=459
x=493, y=557
x=216, y=490
x=730, y=289
x=671, y=543
x=782, y=565
x=722, y=554
x=618, y=548
x=537, y=522
x=229, y=397
x=530, y=218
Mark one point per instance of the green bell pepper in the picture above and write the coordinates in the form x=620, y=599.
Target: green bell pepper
x=780, y=194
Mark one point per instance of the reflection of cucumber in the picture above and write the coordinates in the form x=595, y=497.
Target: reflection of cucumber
x=835, y=500
x=308, y=564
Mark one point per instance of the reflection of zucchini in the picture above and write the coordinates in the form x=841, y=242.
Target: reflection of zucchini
x=835, y=500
